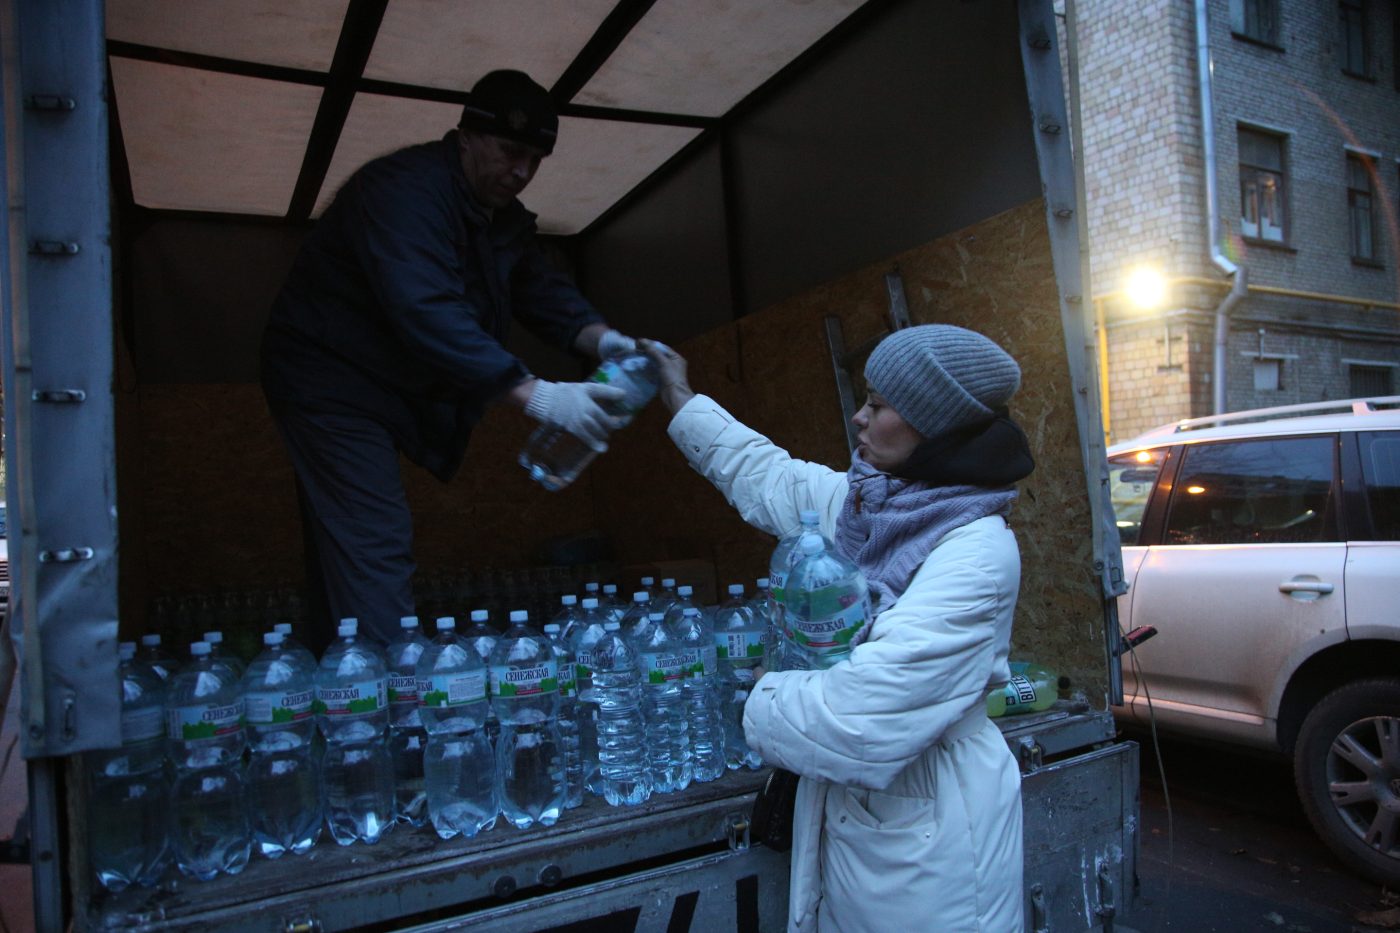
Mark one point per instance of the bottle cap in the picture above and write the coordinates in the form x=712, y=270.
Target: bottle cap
x=590, y=587
x=480, y=615
x=126, y=650
x=590, y=602
x=611, y=626
x=641, y=596
x=736, y=589
x=762, y=583
x=446, y=623
x=519, y=615
x=284, y=627
x=150, y=641
x=213, y=637
x=272, y=638
x=569, y=600
x=648, y=581
x=691, y=611
x=408, y=622
x=351, y=621
x=348, y=629
x=668, y=583
x=811, y=544
x=610, y=589
x=656, y=616
x=199, y=648
x=552, y=628
x=684, y=590
x=811, y=517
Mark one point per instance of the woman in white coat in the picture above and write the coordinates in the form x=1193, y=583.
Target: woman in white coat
x=908, y=814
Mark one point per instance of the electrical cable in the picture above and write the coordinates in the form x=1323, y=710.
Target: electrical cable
x=1161, y=770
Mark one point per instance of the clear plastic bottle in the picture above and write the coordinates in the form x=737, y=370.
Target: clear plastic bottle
x=785, y=555
x=611, y=604
x=739, y=648
x=128, y=834
x=407, y=738
x=283, y=778
x=661, y=664
x=554, y=457
x=568, y=616
x=529, y=754
x=568, y=716
x=682, y=603
x=482, y=638
x=161, y=661
x=765, y=609
x=210, y=832
x=618, y=692
x=459, y=765
x=827, y=603
x=296, y=649
x=635, y=618
x=1031, y=689
x=664, y=598
x=220, y=652
x=581, y=644
x=352, y=694
x=704, y=722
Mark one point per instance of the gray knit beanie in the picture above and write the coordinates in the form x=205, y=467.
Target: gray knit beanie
x=940, y=378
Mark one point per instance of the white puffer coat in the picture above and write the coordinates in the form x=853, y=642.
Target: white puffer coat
x=908, y=816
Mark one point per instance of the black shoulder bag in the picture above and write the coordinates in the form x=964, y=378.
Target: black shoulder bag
x=771, y=821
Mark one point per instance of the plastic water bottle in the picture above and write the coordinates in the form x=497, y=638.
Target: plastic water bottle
x=296, y=649
x=705, y=727
x=529, y=754
x=663, y=599
x=739, y=649
x=283, y=779
x=635, y=618
x=1031, y=689
x=482, y=639
x=159, y=660
x=352, y=694
x=678, y=608
x=407, y=739
x=459, y=765
x=209, y=831
x=827, y=603
x=765, y=609
x=128, y=833
x=567, y=617
x=568, y=716
x=612, y=604
x=617, y=690
x=784, y=556
x=554, y=457
x=661, y=664
x=219, y=652
x=589, y=632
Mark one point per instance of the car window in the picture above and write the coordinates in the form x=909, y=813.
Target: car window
x=1130, y=481
x=1277, y=490
x=1380, y=468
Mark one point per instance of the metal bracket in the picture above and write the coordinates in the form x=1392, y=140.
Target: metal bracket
x=845, y=389
x=50, y=102
x=1039, y=919
x=59, y=395
x=899, y=305
x=736, y=827
x=308, y=924
x=1031, y=754
x=1106, y=909
x=60, y=249
x=66, y=555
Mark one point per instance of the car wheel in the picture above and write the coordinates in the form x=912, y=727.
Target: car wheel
x=1347, y=767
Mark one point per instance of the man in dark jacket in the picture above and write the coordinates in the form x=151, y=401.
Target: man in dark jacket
x=387, y=337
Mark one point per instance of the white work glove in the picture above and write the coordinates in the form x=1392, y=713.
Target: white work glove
x=614, y=343
x=574, y=406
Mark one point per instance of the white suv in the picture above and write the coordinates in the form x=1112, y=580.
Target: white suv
x=1264, y=547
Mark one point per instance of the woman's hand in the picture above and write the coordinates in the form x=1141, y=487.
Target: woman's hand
x=671, y=370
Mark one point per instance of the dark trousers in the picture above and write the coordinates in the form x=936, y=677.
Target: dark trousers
x=356, y=526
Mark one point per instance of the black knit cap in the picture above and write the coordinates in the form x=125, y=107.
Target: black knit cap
x=510, y=104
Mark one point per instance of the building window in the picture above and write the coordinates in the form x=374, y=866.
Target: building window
x=1351, y=37
x=1371, y=381
x=1361, y=208
x=1262, y=186
x=1255, y=19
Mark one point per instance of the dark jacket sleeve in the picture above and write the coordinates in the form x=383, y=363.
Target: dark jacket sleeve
x=547, y=302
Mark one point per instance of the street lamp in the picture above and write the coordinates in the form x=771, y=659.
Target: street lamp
x=1145, y=288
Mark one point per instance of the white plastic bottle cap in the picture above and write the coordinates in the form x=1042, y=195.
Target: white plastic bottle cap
x=610, y=589
x=199, y=648
x=763, y=583
x=569, y=600
x=656, y=616
x=611, y=626
x=272, y=638
x=480, y=615
x=351, y=621
x=519, y=615
x=150, y=641
x=641, y=596
x=810, y=517
x=408, y=622
x=126, y=650
x=736, y=589
x=284, y=627
x=590, y=602
x=684, y=590
x=213, y=637
x=668, y=582
x=590, y=587
x=445, y=623
x=552, y=628
x=348, y=629
x=648, y=581
x=810, y=544
x=691, y=611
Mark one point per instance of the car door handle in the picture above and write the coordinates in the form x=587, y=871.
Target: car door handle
x=1301, y=586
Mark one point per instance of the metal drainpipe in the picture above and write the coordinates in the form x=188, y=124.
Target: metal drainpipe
x=1239, y=288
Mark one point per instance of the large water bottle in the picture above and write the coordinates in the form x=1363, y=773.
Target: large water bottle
x=221, y=653
x=352, y=694
x=827, y=603
x=407, y=739
x=159, y=660
x=784, y=556
x=682, y=603
x=296, y=649
x=611, y=604
x=283, y=779
x=635, y=618
x=481, y=637
x=704, y=724
x=128, y=834
x=665, y=597
x=530, y=781
x=204, y=730
x=661, y=664
x=568, y=617
x=459, y=765
x=581, y=644
x=739, y=648
x=622, y=763
x=765, y=609
x=555, y=457
x=568, y=716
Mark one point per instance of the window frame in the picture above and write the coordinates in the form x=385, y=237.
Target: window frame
x=1366, y=165
x=1256, y=171
x=1245, y=28
x=1354, y=13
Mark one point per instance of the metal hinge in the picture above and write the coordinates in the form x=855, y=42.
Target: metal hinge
x=1039, y=920
x=1031, y=754
x=62, y=396
x=66, y=555
x=1106, y=909
x=736, y=828
x=58, y=248
x=308, y=924
x=50, y=102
